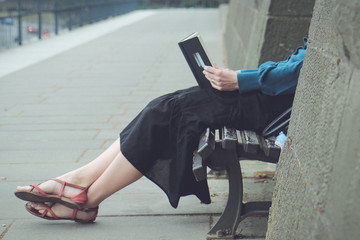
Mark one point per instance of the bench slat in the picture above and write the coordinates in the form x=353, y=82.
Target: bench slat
x=229, y=138
x=270, y=148
x=250, y=141
x=217, y=135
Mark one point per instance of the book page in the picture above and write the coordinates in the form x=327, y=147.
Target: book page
x=199, y=59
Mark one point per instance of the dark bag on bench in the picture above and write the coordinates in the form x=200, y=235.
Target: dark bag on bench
x=281, y=123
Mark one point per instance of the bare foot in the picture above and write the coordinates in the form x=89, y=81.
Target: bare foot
x=64, y=212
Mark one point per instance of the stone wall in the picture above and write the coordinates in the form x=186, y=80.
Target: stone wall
x=317, y=193
x=263, y=30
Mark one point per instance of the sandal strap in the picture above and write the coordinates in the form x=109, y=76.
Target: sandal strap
x=75, y=210
x=36, y=186
x=61, y=189
x=66, y=184
x=81, y=198
x=48, y=209
x=91, y=219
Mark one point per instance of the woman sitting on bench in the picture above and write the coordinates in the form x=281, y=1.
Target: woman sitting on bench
x=160, y=141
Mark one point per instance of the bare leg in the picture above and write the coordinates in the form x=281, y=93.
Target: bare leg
x=117, y=175
x=83, y=176
x=87, y=174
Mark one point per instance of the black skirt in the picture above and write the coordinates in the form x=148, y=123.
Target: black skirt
x=160, y=141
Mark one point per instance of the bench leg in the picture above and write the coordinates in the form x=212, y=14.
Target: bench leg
x=255, y=208
x=235, y=210
x=230, y=218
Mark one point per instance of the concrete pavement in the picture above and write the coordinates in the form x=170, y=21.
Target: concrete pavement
x=65, y=99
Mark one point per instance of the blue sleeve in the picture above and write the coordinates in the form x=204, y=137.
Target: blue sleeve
x=274, y=78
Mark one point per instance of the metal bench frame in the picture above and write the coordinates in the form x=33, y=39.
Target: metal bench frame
x=223, y=152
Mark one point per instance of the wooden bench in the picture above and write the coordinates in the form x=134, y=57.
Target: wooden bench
x=222, y=149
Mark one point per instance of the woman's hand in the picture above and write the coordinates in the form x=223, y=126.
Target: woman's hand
x=221, y=79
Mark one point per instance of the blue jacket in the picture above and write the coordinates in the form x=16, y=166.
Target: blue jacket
x=274, y=78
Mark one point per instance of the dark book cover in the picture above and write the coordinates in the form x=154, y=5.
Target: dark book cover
x=196, y=57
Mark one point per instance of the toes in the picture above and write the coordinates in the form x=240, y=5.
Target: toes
x=23, y=188
x=32, y=204
x=37, y=206
x=41, y=211
x=41, y=208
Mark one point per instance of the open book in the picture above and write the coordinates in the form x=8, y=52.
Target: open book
x=196, y=57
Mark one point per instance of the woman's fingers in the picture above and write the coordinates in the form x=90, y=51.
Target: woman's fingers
x=212, y=70
x=216, y=66
x=212, y=78
x=221, y=79
x=210, y=75
x=215, y=83
x=208, y=69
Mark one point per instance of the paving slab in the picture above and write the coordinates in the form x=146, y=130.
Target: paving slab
x=33, y=172
x=108, y=228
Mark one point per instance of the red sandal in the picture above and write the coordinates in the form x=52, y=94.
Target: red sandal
x=35, y=212
x=75, y=202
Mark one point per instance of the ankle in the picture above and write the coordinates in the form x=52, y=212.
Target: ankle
x=91, y=204
x=94, y=198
